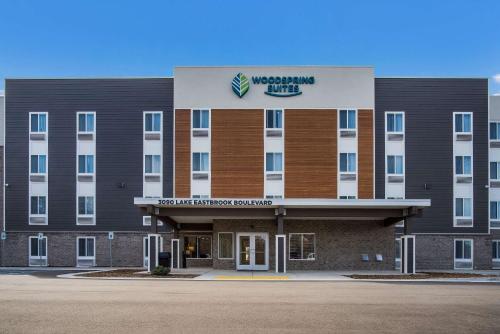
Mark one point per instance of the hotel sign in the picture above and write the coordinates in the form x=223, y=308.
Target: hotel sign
x=278, y=86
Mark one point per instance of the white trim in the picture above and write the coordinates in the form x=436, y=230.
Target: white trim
x=232, y=246
x=45, y=183
x=150, y=143
x=342, y=141
x=78, y=257
x=455, y=260
x=145, y=259
x=301, y=246
x=38, y=257
x=283, y=236
x=252, y=265
x=91, y=152
x=405, y=239
x=401, y=153
x=193, y=149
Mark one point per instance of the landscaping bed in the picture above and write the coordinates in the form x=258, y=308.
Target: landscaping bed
x=423, y=275
x=128, y=273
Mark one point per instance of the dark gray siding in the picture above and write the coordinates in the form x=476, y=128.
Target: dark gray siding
x=429, y=105
x=119, y=106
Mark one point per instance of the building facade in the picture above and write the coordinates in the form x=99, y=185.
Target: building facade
x=251, y=168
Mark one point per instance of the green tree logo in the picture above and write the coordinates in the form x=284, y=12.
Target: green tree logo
x=240, y=84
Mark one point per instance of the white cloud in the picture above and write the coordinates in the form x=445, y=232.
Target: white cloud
x=496, y=94
x=496, y=77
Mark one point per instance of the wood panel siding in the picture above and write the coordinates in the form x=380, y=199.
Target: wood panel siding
x=310, y=153
x=365, y=153
x=237, y=153
x=183, y=153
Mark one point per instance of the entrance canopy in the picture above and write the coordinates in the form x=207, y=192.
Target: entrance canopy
x=192, y=210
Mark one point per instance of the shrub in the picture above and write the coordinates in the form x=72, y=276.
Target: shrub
x=161, y=271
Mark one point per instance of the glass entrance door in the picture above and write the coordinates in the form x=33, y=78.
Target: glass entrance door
x=253, y=251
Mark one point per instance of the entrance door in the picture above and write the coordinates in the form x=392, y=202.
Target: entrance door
x=252, y=251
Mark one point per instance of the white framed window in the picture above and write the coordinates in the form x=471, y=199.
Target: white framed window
x=152, y=122
x=86, y=122
x=152, y=164
x=200, y=196
x=38, y=206
x=347, y=119
x=463, y=253
x=274, y=162
x=463, y=207
x=395, y=165
x=85, y=205
x=85, y=164
x=463, y=122
x=38, y=164
x=146, y=221
x=274, y=119
x=145, y=251
x=198, y=246
x=463, y=165
x=85, y=251
x=201, y=119
x=495, y=250
x=201, y=162
x=225, y=245
x=394, y=122
x=37, y=251
x=494, y=210
x=494, y=131
x=348, y=162
x=495, y=170
x=38, y=122
x=302, y=246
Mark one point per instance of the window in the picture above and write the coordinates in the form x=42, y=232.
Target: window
x=494, y=170
x=463, y=165
x=463, y=122
x=152, y=164
x=274, y=162
x=274, y=119
x=302, y=246
x=394, y=164
x=225, y=245
x=347, y=197
x=86, y=247
x=494, y=210
x=201, y=119
x=198, y=247
x=397, y=253
x=348, y=162
x=38, y=164
x=152, y=122
x=200, y=196
x=85, y=205
x=38, y=205
x=274, y=196
x=38, y=122
x=146, y=251
x=347, y=119
x=200, y=162
x=85, y=164
x=495, y=250
x=495, y=131
x=86, y=122
x=38, y=247
x=463, y=249
x=463, y=207
x=395, y=122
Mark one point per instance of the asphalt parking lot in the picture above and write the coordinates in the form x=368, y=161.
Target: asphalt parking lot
x=30, y=304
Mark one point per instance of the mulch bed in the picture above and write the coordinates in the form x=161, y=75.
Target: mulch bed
x=133, y=273
x=423, y=276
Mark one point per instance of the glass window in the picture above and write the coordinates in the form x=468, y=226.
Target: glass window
x=86, y=122
x=494, y=209
x=152, y=164
x=302, y=246
x=38, y=247
x=495, y=250
x=348, y=119
x=198, y=246
x=200, y=119
x=348, y=162
x=38, y=122
x=463, y=122
x=85, y=247
x=494, y=170
x=463, y=165
x=152, y=122
x=463, y=207
x=200, y=162
x=85, y=164
x=394, y=164
x=274, y=119
x=274, y=162
x=38, y=205
x=394, y=122
x=225, y=245
x=347, y=197
x=38, y=164
x=463, y=249
x=495, y=131
x=85, y=205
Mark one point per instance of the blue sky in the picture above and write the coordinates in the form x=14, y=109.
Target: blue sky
x=148, y=38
